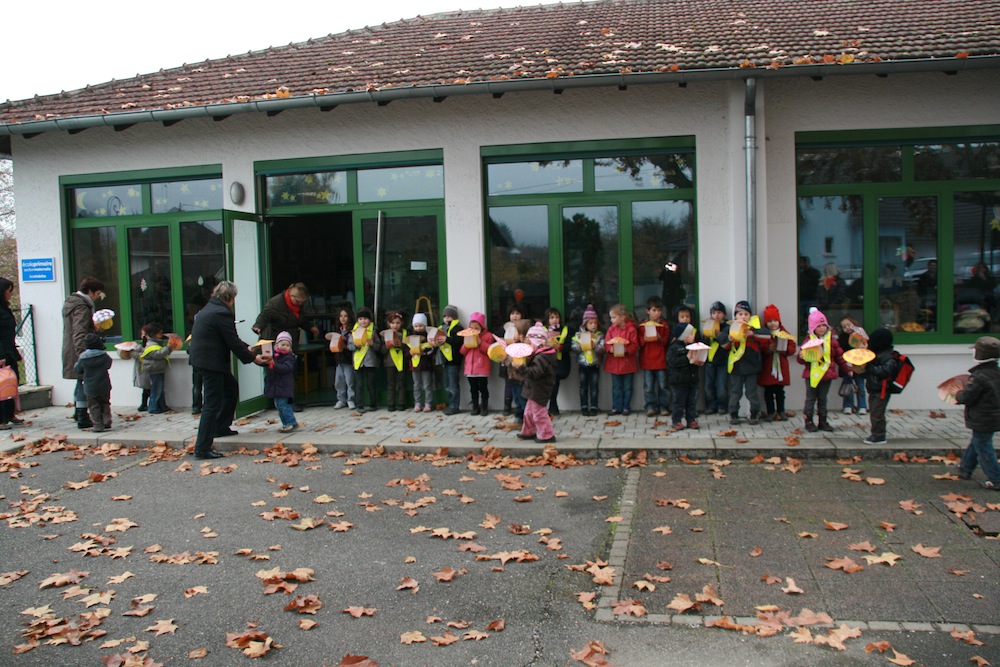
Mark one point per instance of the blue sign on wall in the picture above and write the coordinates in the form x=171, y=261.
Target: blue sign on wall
x=39, y=270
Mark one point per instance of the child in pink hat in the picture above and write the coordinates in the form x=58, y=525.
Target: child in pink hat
x=819, y=375
x=538, y=376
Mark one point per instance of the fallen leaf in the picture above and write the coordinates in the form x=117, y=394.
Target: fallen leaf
x=163, y=627
x=927, y=552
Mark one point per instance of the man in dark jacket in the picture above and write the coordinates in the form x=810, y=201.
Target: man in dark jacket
x=78, y=313
x=213, y=340
x=878, y=373
x=981, y=398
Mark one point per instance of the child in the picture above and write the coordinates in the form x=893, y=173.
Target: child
x=538, y=377
x=422, y=367
x=344, y=379
x=686, y=316
x=819, y=375
x=743, y=364
x=653, y=360
x=451, y=360
x=155, y=361
x=716, y=376
x=395, y=363
x=589, y=361
x=981, y=398
x=512, y=388
x=558, y=335
x=621, y=368
x=94, y=364
x=683, y=376
x=774, y=375
x=366, y=348
x=140, y=378
x=852, y=402
x=878, y=372
x=477, y=364
x=279, y=383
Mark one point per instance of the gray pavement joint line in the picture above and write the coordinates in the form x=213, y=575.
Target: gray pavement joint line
x=619, y=548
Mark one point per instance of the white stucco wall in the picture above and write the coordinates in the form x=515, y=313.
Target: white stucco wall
x=712, y=112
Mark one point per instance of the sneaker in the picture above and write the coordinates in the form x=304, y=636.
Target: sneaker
x=427, y=407
x=613, y=413
x=416, y=408
x=625, y=413
x=678, y=426
x=651, y=412
x=525, y=436
x=693, y=425
x=753, y=421
x=288, y=428
x=848, y=411
x=351, y=406
x=873, y=440
x=450, y=411
x=992, y=486
x=339, y=405
x=665, y=412
x=734, y=419
x=863, y=411
x=961, y=474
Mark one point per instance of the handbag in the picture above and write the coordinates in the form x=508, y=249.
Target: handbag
x=847, y=388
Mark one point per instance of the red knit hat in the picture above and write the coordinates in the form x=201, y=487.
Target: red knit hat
x=771, y=313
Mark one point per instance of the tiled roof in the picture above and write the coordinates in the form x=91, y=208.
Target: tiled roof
x=604, y=37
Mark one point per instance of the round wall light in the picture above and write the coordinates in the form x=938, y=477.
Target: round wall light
x=236, y=193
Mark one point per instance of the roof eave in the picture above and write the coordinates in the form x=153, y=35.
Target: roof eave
x=495, y=87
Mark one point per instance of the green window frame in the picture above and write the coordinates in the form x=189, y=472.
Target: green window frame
x=119, y=223
x=588, y=195
x=872, y=194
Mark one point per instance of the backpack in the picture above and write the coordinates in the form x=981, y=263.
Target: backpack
x=904, y=374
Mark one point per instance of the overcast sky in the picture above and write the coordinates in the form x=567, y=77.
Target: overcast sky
x=61, y=45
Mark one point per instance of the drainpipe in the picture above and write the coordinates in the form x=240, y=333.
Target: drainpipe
x=750, y=149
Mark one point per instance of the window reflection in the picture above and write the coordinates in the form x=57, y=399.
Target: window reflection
x=590, y=260
x=106, y=201
x=976, y=262
x=943, y=162
x=203, y=265
x=306, y=189
x=400, y=183
x=907, y=238
x=644, y=172
x=149, y=277
x=519, y=260
x=848, y=164
x=409, y=267
x=529, y=178
x=664, y=232
x=95, y=253
x=178, y=196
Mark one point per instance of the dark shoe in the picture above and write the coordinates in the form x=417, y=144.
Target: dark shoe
x=678, y=426
x=450, y=411
x=225, y=434
x=754, y=420
x=298, y=407
x=613, y=413
x=83, y=419
x=626, y=412
x=391, y=408
x=142, y=408
x=992, y=486
x=524, y=436
x=810, y=425
x=371, y=408
x=195, y=411
x=652, y=412
x=506, y=411
x=693, y=425
x=734, y=419
x=777, y=417
x=210, y=454
x=475, y=410
x=483, y=410
x=961, y=474
x=97, y=428
x=875, y=440
x=545, y=440
x=824, y=425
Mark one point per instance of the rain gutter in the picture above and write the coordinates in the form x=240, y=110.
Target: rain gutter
x=438, y=93
x=750, y=154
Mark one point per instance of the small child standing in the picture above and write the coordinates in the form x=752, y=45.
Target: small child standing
x=140, y=378
x=854, y=402
x=774, y=375
x=742, y=363
x=653, y=359
x=94, y=364
x=477, y=364
x=344, y=379
x=451, y=359
x=878, y=372
x=589, y=358
x=155, y=361
x=621, y=367
x=422, y=367
x=981, y=398
x=512, y=389
x=366, y=349
x=716, y=377
x=395, y=364
x=537, y=376
x=558, y=336
x=819, y=375
x=683, y=376
x=279, y=383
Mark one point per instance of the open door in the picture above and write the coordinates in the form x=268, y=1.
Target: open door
x=247, y=262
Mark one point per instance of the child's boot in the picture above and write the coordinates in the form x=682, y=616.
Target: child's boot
x=475, y=408
x=144, y=404
x=506, y=406
x=810, y=425
x=824, y=425
x=83, y=419
x=483, y=409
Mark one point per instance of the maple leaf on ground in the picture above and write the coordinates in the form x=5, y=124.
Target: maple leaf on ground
x=809, y=617
x=356, y=661
x=682, y=602
x=195, y=590
x=629, y=606
x=833, y=525
x=603, y=576
x=447, y=574
x=927, y=552
x=198, y=653
x=980, y=661
x=643, y=585
x=791, y=589
x=911, y=506
x=757, y=551
x=887, y=558
x=59, y=580
x=100, y=597
x=846, y=564
x=120, y=578
x=307, y=624
x=163, y=627
x=358, y=612
x=408, y=583
x=497, y=625
x=801, y=636
x=901, y=659
x=862, y=546
x=412, y=637
x=969, y=637
x=881, y=647
x=447, y=638
x=591, y=655
x=308, y=604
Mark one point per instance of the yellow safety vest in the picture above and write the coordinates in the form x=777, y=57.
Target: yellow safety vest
x=359, y=353
x=818, y=369
x=446, y=347
x=396, y=353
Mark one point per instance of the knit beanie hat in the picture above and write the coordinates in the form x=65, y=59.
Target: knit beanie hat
x=742, y=305
x=284, y=335
x=365, y=312
x=479, y=319
x=590, y=313
x=880, y=340
x=419, y=318
x=93, y=342
x=682, y=330
x=771, y=312
x=986, y=348
x=816, y=318
x=450, y=311
x=537, y=335
x=719, y=306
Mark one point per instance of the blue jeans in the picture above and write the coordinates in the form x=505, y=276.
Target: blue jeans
x=980, y=450
x=621, y=392
x=716, y=388
x=343, y=380
x=860, y=398
x=589, y=386
x=655, y=392
x=452, y=386
x=285, y=411
x=157, y=403
x=517, y=400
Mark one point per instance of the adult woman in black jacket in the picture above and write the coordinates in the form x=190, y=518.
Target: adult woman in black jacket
x=8, y=348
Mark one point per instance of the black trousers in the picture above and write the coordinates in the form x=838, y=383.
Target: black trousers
x=218, y=410
x=196, y=389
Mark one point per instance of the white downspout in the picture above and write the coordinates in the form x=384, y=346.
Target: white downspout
x=750, y=150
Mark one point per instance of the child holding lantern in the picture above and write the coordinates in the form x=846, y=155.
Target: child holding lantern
x=421, y=364
x=743, y=363
x=476, y=343
x=822, y=357
x=365, y=348
x=774, y=375
x=588, y=344
x=538, y=375
x=395, y=361
x=683, y=371
x=622, y=344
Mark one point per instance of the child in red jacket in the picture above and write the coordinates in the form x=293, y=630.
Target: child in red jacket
x=819, y=375
x=653, y=358
x=774, y=375
x=623, y=366
x=477, y=364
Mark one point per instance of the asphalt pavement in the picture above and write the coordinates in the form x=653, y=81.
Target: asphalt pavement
x=456, y=544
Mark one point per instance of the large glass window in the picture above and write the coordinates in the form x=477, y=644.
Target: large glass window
x=95, y=253
x=952, y=161
x=525, y=178
x=328, y=187
x=643, y=172
x=409, y=263
x=849, y=164
x=976, y=262
x=149, y=276
x=519, y=260
x=907, y=234
x=401, y=183
x=179, y=196
x=203, y=265
x=663, y=259
x=590, y=259
x=106, y=201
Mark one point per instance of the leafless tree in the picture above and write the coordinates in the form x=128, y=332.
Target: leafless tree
x=8, y=239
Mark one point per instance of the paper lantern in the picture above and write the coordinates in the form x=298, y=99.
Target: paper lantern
x=519, y=353
x=336, y=341
x=126, y=348
x=858, y=357
x=812, y=350
x=948, y=389
x=497, y=352
x=858, y=338
x=470, y=337
x=174, y=341
x=697, y=353
x=104, y=319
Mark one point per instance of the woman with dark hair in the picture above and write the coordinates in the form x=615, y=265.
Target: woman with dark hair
x=9, y=356
x=78, y=314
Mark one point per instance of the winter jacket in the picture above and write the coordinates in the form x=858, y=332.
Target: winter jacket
x=476, y=361
x=426, y=357
x=402, y=348
x=596, y=354
x=451, y=345
x=838, y=367
x=653, y=353
x=77, y=314
x=750, y=363
x=373, y=357
x=8, y=336
x=538, y=375
x=214, y=339
x=276, y=317
x=680, y=370
x=154, y=357
x=140, y=378
x=769, y=353
x=93, y=366
x=981, y=398
x=563, y=357
x=630, y=362
x=883, y=367
x=280, y=379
